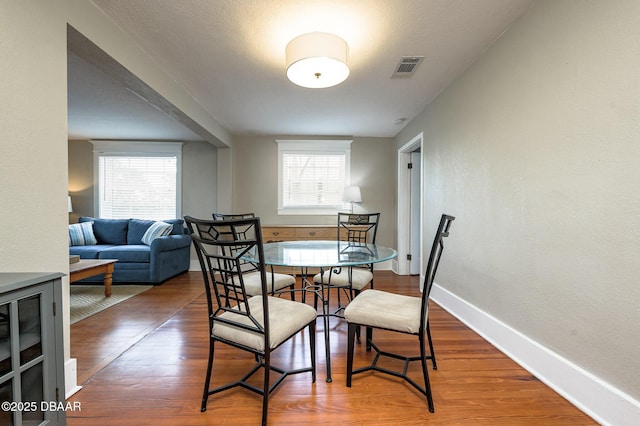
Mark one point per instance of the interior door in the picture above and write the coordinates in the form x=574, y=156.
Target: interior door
x=414, y=232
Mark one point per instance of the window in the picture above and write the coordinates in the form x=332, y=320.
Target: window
x=137, y=179
x=312, y=176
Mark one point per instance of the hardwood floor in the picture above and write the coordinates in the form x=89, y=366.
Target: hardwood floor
x=143, y=362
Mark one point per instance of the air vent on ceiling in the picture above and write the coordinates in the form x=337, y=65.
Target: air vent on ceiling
x=407, y=66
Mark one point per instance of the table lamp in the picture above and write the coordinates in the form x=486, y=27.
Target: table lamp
x=352, y=195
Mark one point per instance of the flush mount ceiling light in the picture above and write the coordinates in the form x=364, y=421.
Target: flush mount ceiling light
x=317, y=60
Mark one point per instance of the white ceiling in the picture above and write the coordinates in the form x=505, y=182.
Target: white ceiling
x=229, y=54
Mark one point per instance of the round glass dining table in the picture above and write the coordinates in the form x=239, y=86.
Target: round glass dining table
x=318, y=254
x=322, y=255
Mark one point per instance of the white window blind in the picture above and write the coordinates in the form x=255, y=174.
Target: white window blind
x=313, y=180
x=312, y=176
x=143, y=185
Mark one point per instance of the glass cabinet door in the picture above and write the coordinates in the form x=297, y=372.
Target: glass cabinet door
x=31, y=349
x=31, y=358
x=6, y=387
x=23, y=364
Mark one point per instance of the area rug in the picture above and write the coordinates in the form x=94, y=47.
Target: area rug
x=87, y=300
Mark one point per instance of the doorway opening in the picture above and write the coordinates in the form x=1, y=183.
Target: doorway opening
x=410, y=208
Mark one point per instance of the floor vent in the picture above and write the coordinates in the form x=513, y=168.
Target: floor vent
x=407, y=66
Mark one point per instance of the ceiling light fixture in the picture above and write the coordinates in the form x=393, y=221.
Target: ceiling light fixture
x=317, y=60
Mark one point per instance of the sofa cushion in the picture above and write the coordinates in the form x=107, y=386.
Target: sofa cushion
x=88, y=252
x=137, y=228
x=137, y=253
x=109, y=231
x=81, y=234
x=157, y=230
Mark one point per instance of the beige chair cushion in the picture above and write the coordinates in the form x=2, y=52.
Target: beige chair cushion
x=360, y=278
x=286, y=317
x=386, y=310
x=253, y=285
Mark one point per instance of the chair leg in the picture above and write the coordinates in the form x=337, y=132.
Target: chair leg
x=425, y=373
x=292, y=292
x=369, y=338
x=312, y=346
x=265, y=394
x=354, y=294
x=433, y=354
x=207, y=380
x=351, y=334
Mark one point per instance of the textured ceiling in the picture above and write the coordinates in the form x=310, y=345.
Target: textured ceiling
x=229, y=55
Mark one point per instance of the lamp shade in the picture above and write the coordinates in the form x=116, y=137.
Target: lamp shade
x=317, y=60
x=352, y=194
x=70, y=205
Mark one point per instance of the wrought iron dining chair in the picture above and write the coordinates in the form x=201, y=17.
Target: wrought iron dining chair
x=398, y=313
x=276, y=281
x=232, y=216
x=359, y=228
x=258, y=323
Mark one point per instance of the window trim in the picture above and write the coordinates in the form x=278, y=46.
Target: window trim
x=317, y=146
x=137, y=148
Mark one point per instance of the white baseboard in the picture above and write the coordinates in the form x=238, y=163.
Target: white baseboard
x=598, y=399
x=395, y=267
x=71, y=377
x=383, y=266
x=194, y=265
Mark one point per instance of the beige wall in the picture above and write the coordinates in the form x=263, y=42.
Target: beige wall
x=33, y=131
x=256, y=181
x=199, y=183
x=535, y=150
x=81, y=179
x=199, y=179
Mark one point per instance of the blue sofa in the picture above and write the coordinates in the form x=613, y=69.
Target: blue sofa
x=121, y=239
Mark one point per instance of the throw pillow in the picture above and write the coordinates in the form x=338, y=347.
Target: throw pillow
x=158, y=229
x=81, y=234
x=178, y=226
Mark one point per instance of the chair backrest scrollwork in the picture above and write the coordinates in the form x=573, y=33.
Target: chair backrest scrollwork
x=360, y=228
x=221, y=246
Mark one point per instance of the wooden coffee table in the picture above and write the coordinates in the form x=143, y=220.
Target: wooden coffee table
x=86, y=268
